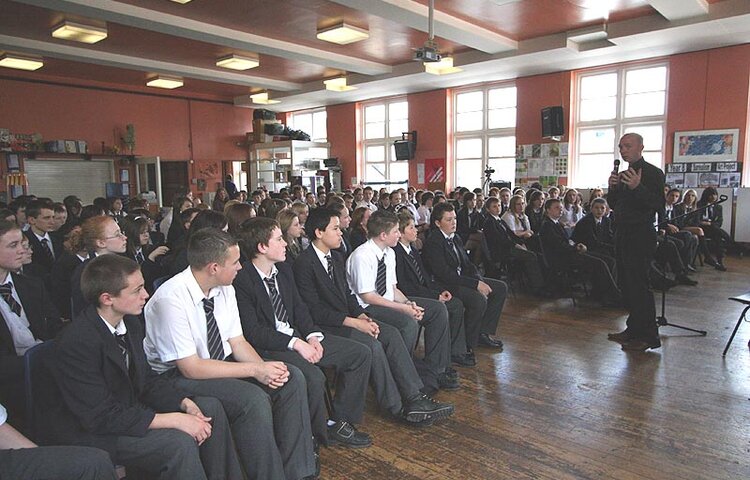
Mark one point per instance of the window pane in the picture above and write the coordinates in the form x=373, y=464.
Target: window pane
x=468, y=122
x=598, y=140
x=469, y=148
x=399, y=172
x=469, y=102
x=653, y=135
x=397, y=127
x=303, y=122
x=375, y=172
x=646, y=80
x=644, y=104
x=505, y=169
x=598, y=109
x=398, y=110
x=502, y=118
x=502, y=146
x=374, y=130
x=598, y=86
x=469, y=173
x=375, y=113
x=502, y=98
x=593, y=170
x=319, y=125
x=375, y=153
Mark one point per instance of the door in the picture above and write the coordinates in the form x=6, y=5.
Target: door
x=148, y=177
x=174, y=179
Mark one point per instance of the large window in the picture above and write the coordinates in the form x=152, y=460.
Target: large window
x=312, y=122
x=383, y=123
x=610, y=104
x=484, y=134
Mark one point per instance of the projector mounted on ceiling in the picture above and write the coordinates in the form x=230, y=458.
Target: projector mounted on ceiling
x=429, y=52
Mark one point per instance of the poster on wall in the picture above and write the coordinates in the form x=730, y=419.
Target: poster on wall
x=434, y=170
x=706, y=146
x=546, y=163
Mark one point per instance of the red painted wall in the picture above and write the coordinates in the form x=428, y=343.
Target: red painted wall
x=341, y=124
x=535, y=93
x=428, y=116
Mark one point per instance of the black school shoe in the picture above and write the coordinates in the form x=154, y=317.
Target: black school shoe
x=448, y=380
x=423, y=410
x=640, y=344
x=343, y=433
x=487, y=341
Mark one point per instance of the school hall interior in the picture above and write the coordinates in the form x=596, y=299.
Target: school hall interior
x=78, y=117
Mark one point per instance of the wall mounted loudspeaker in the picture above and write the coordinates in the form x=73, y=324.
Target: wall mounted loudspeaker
x=552, y=122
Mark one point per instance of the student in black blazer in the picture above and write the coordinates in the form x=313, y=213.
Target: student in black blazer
x=111, y=399
x=595, y=231
x=415, y=281
x=333, y=306
x=711, y=220
x=278, y=324
x=507, y=247
x=562, y=253
x=26, y=310
x=345, y=219
x=445, y=257
x=46, y=248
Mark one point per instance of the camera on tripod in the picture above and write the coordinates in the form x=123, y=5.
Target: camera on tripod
x=489, y=171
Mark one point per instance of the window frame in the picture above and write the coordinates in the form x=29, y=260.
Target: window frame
x=619, y=124
x=485, y=134
x=312, y=112
x=386, y=141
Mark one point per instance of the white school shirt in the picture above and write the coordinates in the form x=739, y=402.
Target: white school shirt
x=362, y=270
x=18, y=325
x=176, y=321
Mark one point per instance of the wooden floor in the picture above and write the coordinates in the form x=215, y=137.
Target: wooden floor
x=562, y=402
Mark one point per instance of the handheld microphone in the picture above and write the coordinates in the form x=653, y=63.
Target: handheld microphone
x=617, y=166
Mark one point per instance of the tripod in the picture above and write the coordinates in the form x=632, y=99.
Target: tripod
x=487, y=181
x=661, y=320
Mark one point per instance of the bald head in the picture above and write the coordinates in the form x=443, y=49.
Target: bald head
x=631, y=147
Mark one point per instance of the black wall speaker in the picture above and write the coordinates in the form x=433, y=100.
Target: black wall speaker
x=552, y=122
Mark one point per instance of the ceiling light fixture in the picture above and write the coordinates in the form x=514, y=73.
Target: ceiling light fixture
x=77, y=32
x=261, y=98
x=442, y=67
x=163, y=81
x=238, y=62
x=342, y=33
x=338, y=84
x=20, y=62
x=181, y=1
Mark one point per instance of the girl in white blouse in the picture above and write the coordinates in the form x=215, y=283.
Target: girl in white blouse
x=572, y=210
x=516, y=219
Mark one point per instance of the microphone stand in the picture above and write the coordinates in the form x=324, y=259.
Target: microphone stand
x=661, y=320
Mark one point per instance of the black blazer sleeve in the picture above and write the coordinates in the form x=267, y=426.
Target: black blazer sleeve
x=324, y=309
x=441, y=263
x=299, y=314
x=407, y=279
x=256, y=313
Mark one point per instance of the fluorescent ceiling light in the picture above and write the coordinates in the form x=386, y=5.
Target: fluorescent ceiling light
x=443, y=67
x=338, y=84
x=238, y=62
x=20, y=62
x=79, y=33
x=181, y=1
x=588, y=34
x=163, y=81
x=343, y=34
x=261, y=98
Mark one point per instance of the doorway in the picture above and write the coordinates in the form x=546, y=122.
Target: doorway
x=174, y=179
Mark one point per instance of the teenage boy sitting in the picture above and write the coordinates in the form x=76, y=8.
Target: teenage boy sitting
x=114, y=401
x=194, y=335
x=278, y=324
x=371, y=271
x=321, y=279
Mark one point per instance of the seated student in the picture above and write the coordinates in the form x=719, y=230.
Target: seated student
x=23, y=459
x=595, y=230
x=148, y=257
x=469, y=226
x=689, y=220
x=177, y=261
x=414, y=281
x=41, y=217
x=371, y=273
x=115, y=209
x=505, y=246
x=504, y=195
x=358, y=227
x=344, y=221
x=686, y=242
x=445, y=257
x=667, y=253
x=711, y=219
x=61, y=217
x=277, y=323
x=320, y=275
x=28, y=318
x=111, y=399
x=535, y=209
x=562, y=254
x=75, y=253
x=423, y=213
x=518, y=222
x=572, y=210
x=291, y=231
x=194, y=337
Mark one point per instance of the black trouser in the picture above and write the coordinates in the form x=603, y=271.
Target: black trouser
x=635, y=246
x=687, y=244
x=482, y=314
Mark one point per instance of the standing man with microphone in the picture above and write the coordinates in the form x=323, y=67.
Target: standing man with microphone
x=636, y=195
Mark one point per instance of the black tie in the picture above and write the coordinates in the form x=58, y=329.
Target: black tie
x=329, y=260
x=452, y=247
x=213, y=337
x=6, y=290
x=413, y=259
x=139, y=257
x=380, y=283
x=598, y=228
x=122, y=342
x=47, y=248
x=278, y=306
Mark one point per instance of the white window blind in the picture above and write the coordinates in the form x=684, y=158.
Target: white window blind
x=57, y=179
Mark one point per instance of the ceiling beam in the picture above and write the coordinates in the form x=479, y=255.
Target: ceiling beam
x=415, y=15
x=138, y=17
x=679, y=9
x=96, y=57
